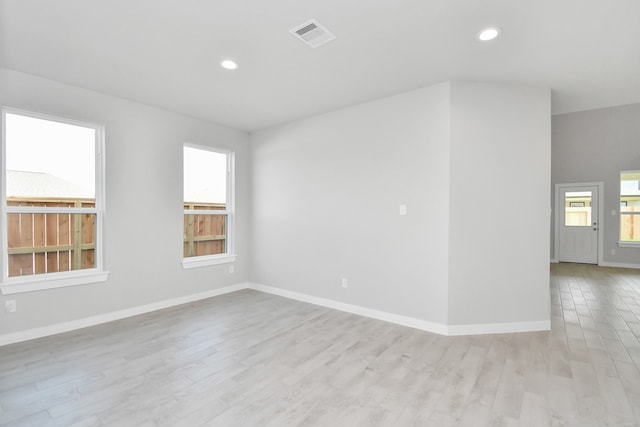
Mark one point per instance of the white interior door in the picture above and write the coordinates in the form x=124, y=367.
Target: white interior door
x=578, y=224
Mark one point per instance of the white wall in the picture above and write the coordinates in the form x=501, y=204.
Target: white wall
x=143, y=225
x=318, y=201
x=326, y=193
x=595, y=146
x=499, y=195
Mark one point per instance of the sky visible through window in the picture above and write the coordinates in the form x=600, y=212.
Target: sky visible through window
x=205, y=176
x=630, y=184
x=58, y=149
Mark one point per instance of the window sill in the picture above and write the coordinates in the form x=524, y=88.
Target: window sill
x=18, y=285
x=203, y=261
x=629, y=244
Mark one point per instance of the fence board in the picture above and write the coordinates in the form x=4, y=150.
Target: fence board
x=52, y=261
x=26, y=240
x=630, y=227
x=40, y=263
x=26, y=231
x=88, y=259
x=38, y=229
x=64, y=238
x=25, y=264
x=13, y=224
x=64, y=261
x=39, y=238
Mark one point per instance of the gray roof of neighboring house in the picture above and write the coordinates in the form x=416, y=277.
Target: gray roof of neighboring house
x=40, y=184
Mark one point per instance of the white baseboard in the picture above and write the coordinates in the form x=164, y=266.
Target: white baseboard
x=58, y=328
x=438, y=328
x=499, y=328
x=619, y=265
x=354, y=309
x=554, y=261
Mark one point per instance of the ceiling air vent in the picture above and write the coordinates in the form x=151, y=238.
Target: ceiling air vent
x=312, y=33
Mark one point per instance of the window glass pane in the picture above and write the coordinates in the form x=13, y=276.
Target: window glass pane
x=577, y=209
x=205, y=235
x=630, y=191
x=205, y=188
x=630, y=228
x=48, y=160
x=50, y=243
x=49, y=164
x=630, y=206
x=205, y=176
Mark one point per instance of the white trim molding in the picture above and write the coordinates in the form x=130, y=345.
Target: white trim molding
x=354, y=309
x=51, y=281
x=499, y=328
x=619, y=265
x=424, y=325
x=59, y=328
x=204, y=261
x=629, y=244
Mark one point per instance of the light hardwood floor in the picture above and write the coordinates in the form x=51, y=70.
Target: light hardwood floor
x=253, y=359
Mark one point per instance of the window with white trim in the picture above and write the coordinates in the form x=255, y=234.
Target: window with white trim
x=52, y=202
x=208, y=236
x=630, y=208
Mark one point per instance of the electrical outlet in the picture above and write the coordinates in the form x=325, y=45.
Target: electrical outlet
x=613, y=251
x=345, y=283
x=232, y=269
x=10, y=306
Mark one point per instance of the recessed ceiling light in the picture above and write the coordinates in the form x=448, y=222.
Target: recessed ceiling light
x=488, y=34
x=229, y=64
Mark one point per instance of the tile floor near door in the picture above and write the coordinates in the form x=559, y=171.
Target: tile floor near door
x=252, y=359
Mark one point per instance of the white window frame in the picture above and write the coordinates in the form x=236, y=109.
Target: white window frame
x=625, y=243
x=230, y=255
x=20, y=284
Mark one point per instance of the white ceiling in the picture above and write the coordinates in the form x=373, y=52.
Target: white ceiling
x=167, y=52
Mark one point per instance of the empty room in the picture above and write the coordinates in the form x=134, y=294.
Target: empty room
x=356, y=213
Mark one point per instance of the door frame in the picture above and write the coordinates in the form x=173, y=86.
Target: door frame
x=556, y=217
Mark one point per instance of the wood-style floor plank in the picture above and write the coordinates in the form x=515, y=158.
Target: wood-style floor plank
x=253, y=359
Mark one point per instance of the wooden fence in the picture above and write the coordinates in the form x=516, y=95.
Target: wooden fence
x=577, y=216
x=630, y=225
x=41, y=243
x=204, y=234
x=50, y=242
